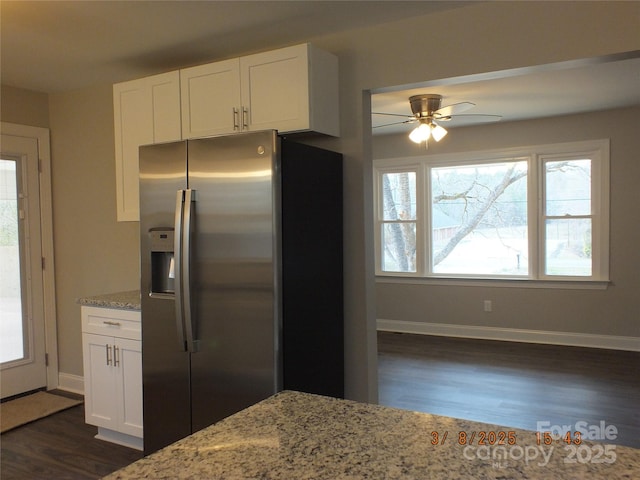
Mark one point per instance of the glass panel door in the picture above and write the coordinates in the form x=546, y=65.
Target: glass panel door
x=22, y=326
x=12, y=328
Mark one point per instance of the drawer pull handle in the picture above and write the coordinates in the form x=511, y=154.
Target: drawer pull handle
x=108, y=354
x=109, y=322
x=116, y=356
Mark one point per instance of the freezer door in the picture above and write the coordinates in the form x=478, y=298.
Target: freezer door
x=233, y=274
x=165, y=364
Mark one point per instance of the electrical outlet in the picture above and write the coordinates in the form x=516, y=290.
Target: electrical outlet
x=488, y=306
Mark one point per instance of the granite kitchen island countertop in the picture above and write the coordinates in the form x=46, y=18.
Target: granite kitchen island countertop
x=298, y=436
x=129, y=300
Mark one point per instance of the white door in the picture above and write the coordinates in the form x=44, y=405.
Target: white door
x=146, y=111
x=128, y=356
x=100, y=381
x=22, y=321
x=210, y=98
x=275, y=89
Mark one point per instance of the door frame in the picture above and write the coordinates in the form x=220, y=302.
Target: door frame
x=46, y=225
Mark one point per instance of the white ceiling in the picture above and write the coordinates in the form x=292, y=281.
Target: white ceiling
x=56, y=46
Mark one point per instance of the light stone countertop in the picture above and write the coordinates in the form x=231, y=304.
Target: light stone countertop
x=298, y=436
x=129, y=300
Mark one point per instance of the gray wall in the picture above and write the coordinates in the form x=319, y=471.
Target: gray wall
x=95, y=254
x=24, y=107
x=614, y=311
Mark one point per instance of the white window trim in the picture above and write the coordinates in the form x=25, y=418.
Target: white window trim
x=597, y=150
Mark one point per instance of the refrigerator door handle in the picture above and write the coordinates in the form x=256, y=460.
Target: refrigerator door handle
x=189, y=200
x=177, y=255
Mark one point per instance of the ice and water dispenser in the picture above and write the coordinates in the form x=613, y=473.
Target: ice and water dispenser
x=162, y=261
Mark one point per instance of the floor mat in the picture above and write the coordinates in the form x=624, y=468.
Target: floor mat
x=32, y=407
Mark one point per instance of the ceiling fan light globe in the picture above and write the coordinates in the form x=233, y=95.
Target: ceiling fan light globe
x=438, y=132
x=420, y=134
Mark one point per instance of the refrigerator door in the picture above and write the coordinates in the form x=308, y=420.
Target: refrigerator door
x=234, y=273
x=165, y=364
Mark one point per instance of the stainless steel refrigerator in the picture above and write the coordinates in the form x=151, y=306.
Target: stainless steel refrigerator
x=241, y=277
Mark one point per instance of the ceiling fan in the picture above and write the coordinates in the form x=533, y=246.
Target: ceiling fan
x=428, y=112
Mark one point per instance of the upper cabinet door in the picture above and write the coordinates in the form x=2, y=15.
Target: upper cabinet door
x=210, y=97
x=275, y=90
x=292, y=89
x=146, y=110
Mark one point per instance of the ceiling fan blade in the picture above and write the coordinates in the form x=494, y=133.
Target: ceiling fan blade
x=454, y=109
x=412, y=120
x=394, y=115
x=468, y=118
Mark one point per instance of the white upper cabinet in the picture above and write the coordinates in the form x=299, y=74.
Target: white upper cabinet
x=210, y=96
x=293, y=89
x=146, y=111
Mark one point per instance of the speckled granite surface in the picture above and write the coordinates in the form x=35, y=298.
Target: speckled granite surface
x=129, y=300
x=295, y=436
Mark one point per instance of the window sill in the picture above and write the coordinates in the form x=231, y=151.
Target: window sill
x=496, y=282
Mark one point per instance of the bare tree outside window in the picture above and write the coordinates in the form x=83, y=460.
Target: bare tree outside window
x=486, y=208
x=399, y=227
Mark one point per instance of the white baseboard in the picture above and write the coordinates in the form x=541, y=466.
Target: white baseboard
x=71, y=383
x=119, y=438
x=512, y=334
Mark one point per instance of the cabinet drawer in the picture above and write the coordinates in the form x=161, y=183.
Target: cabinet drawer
x=113, y=322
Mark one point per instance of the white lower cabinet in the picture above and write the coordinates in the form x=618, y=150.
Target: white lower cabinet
x=112, y=357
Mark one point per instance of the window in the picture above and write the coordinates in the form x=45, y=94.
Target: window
x=479, y=208
x=537, y=213
x=399, y=221
x=567, y=217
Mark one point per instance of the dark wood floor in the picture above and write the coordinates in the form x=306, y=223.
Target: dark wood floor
x=503, y=383
x=511, y=384
x=60, y=447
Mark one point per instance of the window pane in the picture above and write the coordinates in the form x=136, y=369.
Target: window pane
x=399, y=247
x=479, y=219
x=11, y=327
x=568, y=247
x=568, y=187
x=399, y=196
